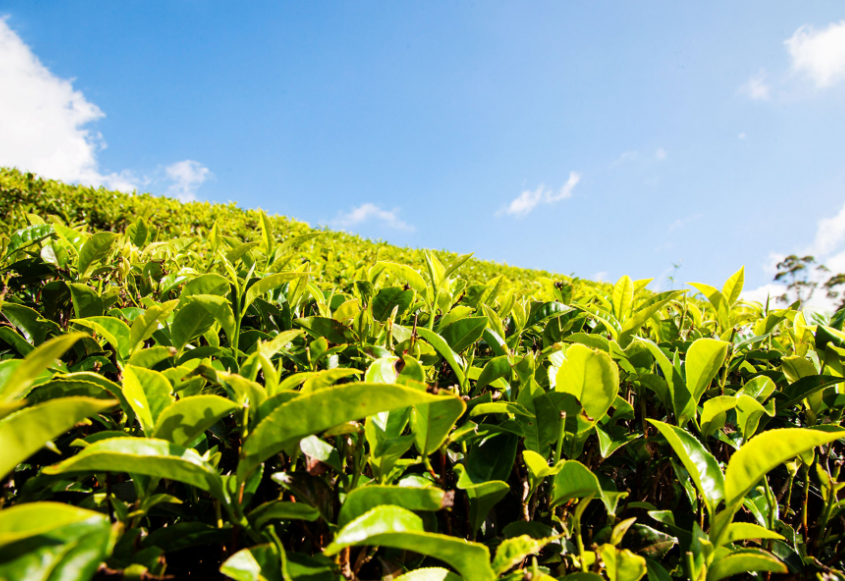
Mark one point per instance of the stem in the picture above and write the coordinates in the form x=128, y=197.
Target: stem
x=560, y=437
x=727, y=363
x=772, y=502
x=691, y=566
x=580, y=542
x=806, y=500
x=217, y=514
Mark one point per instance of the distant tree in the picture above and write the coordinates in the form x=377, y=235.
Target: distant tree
x=802, y=277
x=831, y=285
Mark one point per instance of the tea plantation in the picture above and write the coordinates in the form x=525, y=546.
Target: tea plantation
x=194, y=390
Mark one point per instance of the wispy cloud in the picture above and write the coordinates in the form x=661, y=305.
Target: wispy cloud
x=660, y=154
x=626, y=157
x=46, y=126
x=528, y=199
x=682, y=222
x=187, y=176
x=370, y=212
x=756, y=87
x=820, y=54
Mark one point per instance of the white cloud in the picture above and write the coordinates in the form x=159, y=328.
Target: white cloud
x=742, y=135
x=830, y=233
x=186, y=176
x=45, y=126
x=827, y=248
x=600, y=276
x=820, y=54
x=756, y=87
x=367, y=212
x=660, y=154
x=528, y=200
x=771, y=290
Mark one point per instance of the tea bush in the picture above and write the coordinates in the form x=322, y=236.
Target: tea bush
x=197, y=390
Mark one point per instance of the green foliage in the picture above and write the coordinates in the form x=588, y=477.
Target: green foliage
x=201, y=390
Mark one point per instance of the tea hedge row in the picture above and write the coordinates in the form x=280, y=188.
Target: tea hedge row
x=197, y=390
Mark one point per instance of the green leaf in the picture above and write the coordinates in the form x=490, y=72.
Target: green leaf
x=645, y=312
x=546, y=312
x=592, y=377
x=389, y=298
x=701, y=465
x=114, y=331
x=151, y=357
x=52, y=541
x=282, y=510
x=34, y=364
x=219, y=308
x=461, y=334
x=733, y=287
x=24, y=432
x=157, y=458
x=717, y=299
x=86, y=301
x=495, y=368
x=741, y=562
x=765, y=452
x=511, y=552
x=622, y=564
x=395, y=527
x=184, y=420
x=492, y=457
x=574, y=480
x=267, y=240
x=36, y=518
x=741, y=531
x=58, y=388
x=236, y=253
x=623, y=297
x=320, y=410
x=500, y=407
x=754, y=460
x=258, y=563
x=148, y=392
x=28, y=321
x=382, y=370
x=27, y=236
x=445, y=351
x=429, y=574
x=332, y=330
x=431, y=423
x=760, y=388
x=714, y=413
x=146, y=324
x=269, y=283
x=704, y=359
x=363, y=499
x=206, y=284
x=329, y=377
x=190, y=322
x=538, y=466
x=408, y=274
x=682, y=403
x=94, y=250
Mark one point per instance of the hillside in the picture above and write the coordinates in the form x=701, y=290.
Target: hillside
x=332, y=252
x=199, y=390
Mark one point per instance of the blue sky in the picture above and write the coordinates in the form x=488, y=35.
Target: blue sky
x=595, y=138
